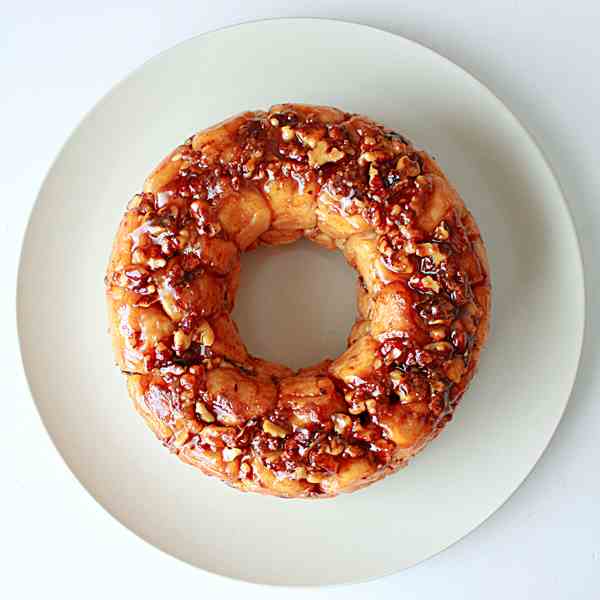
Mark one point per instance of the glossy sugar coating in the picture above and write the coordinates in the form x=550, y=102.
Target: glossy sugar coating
x=273, y=177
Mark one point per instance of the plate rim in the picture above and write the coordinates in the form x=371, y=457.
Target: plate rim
x=580, y=300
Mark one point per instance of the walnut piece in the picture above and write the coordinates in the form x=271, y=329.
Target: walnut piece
x=203, y=412
x=273, y=430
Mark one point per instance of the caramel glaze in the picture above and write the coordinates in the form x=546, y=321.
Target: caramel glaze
x=272, y=177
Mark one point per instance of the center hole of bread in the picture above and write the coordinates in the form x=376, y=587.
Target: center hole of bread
x=296, y=303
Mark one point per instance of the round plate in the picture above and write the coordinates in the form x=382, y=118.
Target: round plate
x=297, y=304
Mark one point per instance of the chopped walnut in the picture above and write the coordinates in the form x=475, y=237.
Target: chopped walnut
x=357, y=408
x=424, y=183
x=156, y=263
x=181, y=341
x=438, y=333
x=408, y=167
x=335, y=447
x=187, y=396
x=424, y=284
x=181, y=437
x=384, y=247
x=321, y=154
x=372, y=156
x=373, y=174
x=441, y=232
x=409, y=388
x=182, y=237
x=354, y=451
x=397, y=376
x=442, y=347
x=230, y=454
x=433, y=251
x=205, y=334
x=287, y=133
x=455, y=369
x=245, y=470
x=203, y=412
x=274, y=430
x=341, y=422
x=138, y=257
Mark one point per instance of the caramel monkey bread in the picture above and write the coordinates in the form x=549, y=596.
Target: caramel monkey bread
x=344, y=182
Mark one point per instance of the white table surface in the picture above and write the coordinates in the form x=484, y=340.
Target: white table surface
x=57, y=58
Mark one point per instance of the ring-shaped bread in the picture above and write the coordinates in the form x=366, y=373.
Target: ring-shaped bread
x=273, y=177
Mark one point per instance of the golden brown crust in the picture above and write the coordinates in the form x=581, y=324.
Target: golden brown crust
x=272, y=177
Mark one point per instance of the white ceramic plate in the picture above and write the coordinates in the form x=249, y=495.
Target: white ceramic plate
x=297, y=304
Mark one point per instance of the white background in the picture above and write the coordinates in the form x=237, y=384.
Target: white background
x=57, y=58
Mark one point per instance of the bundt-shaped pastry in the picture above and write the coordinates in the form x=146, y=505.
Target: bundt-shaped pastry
x=273, y=177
